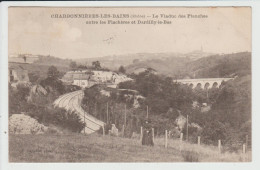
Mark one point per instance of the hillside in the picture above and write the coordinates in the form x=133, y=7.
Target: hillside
x=226, y=65
x=196, y=64
x=115, y=61
x=170, y=67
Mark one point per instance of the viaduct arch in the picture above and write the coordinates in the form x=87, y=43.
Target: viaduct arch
x=205, y=83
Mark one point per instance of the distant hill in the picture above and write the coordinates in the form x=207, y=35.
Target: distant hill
x=170, y=66
x=191, y=65
x=115, y=61
x=225, y=65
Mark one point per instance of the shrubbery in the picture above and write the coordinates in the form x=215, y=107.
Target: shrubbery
x=190, y=156
x=57, y=116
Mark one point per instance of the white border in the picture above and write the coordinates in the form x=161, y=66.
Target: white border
x=4, y=165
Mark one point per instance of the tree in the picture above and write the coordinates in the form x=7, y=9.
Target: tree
x=18, y=99
x=53, y=72
x=213, y=131
x=96, y=65
x=73, y=64
x=52, y=82
x=121, y=69
x=127, y=85
x=33, y=77
x=82, y=67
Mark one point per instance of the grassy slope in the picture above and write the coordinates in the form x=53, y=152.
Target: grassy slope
x=96, y=148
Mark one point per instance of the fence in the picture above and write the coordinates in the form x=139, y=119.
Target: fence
x=168, y=142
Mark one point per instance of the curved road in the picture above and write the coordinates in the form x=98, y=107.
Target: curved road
x=72, y=101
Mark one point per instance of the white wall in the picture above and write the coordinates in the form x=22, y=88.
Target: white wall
x=81, y=83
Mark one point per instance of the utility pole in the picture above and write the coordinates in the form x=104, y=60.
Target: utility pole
x=85, y=120
x=95, y=108
x=79, y=80
x=246, y=143
x=147, y=114
x=207, y=94
x=85, y=124
x=112, y=114
x=187, y=133
x=125, y=116
x=78, y=99
x=107, y=112
x=88, y=107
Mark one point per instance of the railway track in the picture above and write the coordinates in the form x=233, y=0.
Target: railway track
x=72, y=102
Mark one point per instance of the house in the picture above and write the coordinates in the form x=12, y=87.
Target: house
x=81, y=79
x=81, y=82
x=16, y=73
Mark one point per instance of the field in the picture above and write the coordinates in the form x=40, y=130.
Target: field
x=98, y=148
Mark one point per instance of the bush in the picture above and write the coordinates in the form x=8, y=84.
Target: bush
x=58, y=117
x=213, y=131
x=190, y=156
x=51, y=131
x=72, y=122
x=52, y=84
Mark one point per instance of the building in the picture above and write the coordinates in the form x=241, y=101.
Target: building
x=88, y=78
x=16, y=73
x=79, y=78
x=82, y=82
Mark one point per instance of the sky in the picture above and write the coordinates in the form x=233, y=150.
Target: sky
x=32, y=30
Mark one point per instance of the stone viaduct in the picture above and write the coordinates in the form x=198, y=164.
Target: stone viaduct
x=204, y=83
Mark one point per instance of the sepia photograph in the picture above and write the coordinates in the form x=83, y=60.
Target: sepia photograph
x=129, y=84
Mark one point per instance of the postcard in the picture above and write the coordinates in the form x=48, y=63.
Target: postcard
x=129, y=84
